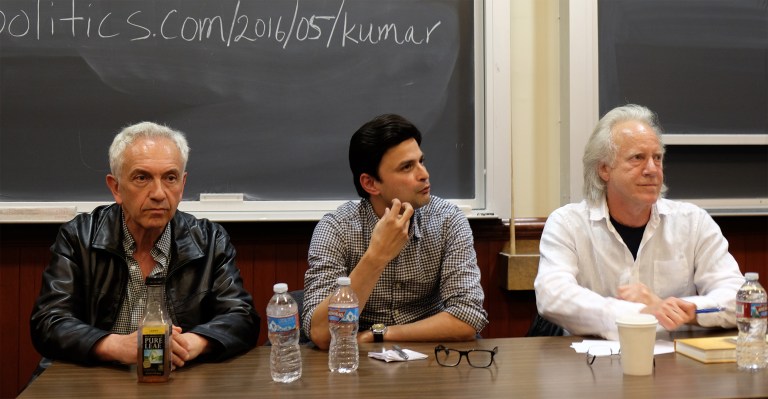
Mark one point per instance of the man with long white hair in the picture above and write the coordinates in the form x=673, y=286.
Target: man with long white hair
x=625, y=249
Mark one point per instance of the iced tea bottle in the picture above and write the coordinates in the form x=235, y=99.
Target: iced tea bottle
x=154, y=334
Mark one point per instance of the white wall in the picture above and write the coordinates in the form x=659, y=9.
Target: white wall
x=579, y=98
x=535, y=106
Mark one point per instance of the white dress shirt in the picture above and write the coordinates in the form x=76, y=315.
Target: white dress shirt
x=583, y=261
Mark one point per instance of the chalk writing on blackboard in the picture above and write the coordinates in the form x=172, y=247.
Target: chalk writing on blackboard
x=334, y=28
x=267, y=91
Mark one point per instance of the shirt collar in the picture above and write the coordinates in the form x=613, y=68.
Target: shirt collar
x=163, y=244
x=599, y=211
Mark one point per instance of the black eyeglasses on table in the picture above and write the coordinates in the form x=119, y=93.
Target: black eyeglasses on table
x=593, y=352
x=475, y=357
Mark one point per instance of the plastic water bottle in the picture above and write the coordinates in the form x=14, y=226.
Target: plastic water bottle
x=751, y=316
x=343, y=322
x=283, y=325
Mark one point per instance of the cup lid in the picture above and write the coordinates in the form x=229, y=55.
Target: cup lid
x=640, y=319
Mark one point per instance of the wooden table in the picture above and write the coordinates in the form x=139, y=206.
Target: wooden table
x=524, y=368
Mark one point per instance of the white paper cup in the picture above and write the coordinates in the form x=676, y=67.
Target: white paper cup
x=637, y=337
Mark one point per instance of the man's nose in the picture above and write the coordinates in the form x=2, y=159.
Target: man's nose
x=423, y=173
x=156, y=190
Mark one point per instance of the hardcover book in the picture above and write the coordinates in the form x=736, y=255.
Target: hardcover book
x=708, y=349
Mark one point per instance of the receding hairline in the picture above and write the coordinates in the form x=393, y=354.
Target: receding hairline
x=618, y=133
x=632, y=121
x=168, y=144
x=130, y=135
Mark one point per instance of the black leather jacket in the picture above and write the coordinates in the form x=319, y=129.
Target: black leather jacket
x=86, y=281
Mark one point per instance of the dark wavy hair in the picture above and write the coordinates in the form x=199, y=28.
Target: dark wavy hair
x=372, y=140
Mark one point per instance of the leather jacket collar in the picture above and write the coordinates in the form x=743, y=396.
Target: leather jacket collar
x=108, y=235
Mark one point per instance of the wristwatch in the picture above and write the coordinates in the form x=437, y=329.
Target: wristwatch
x=378, y=331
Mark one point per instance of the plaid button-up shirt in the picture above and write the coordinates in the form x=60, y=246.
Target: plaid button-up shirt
x=435, y=272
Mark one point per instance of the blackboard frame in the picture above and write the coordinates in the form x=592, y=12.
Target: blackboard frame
x=492, y=143
x=492, y=169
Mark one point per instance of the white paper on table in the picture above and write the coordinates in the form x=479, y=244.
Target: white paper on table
x=393, y=356
x=661, y=346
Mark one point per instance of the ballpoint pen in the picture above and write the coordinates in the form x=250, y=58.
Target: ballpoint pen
x=400, y=352
x=710, y=310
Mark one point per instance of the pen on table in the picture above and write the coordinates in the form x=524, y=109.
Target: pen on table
x=400, y=352
x=709, y=310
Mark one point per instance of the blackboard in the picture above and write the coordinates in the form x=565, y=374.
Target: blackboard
x=714, y=172
x=268, y=92
x=702, y=66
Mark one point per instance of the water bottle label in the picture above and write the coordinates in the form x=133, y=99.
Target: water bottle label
x=342, y=315
x=753, y=310
x=283, y=324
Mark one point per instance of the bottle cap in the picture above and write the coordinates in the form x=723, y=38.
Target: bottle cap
x=751, y=276
x=280, y=288
x=343, y=281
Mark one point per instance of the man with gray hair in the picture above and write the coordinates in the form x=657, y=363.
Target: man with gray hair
x=93, y=293
x=625, y=249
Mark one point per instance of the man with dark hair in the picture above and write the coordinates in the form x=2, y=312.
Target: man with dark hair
x=410, y=255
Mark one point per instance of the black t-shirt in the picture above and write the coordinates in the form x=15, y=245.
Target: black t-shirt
x=631, y=235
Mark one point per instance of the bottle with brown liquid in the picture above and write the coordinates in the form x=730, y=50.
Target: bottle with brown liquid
x=154, y=334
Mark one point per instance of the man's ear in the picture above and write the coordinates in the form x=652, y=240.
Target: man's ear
x=114, y=185
x=368, y=183
x=604, y=171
